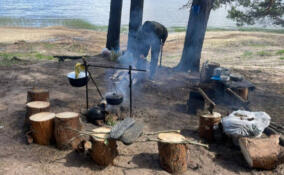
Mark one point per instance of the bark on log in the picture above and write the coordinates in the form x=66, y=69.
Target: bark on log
x=113, y=34
x=243, y=92
x=135, y=21
x=104, y=149
x=36, y=107
x=172, y=154
x=261, y=152
x=42, y=127
x=37, y=95
x=207, y=125
x=66, y=127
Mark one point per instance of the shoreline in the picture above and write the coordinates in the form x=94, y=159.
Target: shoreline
x=82, y=24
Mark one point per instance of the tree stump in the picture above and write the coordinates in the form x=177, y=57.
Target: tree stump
x=37, y=95
x=36, y=107
x=42, y=127
x=66, y=130
x=261, y=152
x=104, y=149
x=208, y=123
x=172, y=152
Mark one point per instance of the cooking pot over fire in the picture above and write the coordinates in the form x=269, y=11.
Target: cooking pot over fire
x=114, y=98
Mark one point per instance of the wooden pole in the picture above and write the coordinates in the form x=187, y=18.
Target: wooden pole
x=113, y=35
x=135, y=21
x=42, y=127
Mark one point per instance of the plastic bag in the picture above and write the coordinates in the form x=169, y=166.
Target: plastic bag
x=245, y=124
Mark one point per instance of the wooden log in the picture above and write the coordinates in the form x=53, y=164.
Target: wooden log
x=42, y=127
x=36, y=107
x=36, y=94
x=236, y=95
x=66, y=130
x=172, y=152
x=243, y=92
x=104, y=149
x=208, y=123
x=261, y=153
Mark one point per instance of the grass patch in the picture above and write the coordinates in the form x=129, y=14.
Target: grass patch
x=264, y=53
x=280, y=52
x=8, y=59
x=247, y=54
x=281, y=58
x=40, y=56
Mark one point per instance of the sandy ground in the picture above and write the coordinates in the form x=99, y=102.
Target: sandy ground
x=160, y=104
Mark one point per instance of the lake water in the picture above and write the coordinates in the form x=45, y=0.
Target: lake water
x=167, y=12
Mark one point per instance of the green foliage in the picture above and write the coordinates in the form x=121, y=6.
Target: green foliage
x=280, y=52
x=7, y=59
x=251, y=11
x=281, y=58
x=264, y=53
x=247, y=54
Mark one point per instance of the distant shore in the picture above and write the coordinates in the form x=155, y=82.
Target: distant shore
x=82, y=24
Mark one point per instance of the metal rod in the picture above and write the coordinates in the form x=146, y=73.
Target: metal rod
x=94, y=82
x=130, y=91
x=87, y=93
x=113, y=67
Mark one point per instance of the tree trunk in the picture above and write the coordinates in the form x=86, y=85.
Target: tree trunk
x=197, y=24
x=113, y=35
x=135, y=21
x=42, y=127
x=66, y=127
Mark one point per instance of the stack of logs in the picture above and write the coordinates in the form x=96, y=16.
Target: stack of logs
x=46, y=127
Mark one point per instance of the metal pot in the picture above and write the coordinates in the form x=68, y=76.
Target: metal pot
x=95, y=114
x=114, y=98
x=78, y=82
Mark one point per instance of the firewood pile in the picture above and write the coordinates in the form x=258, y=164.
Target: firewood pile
x=218, y=86
x=65, y=129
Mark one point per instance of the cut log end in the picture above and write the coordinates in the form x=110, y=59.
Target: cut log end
x=261, y=153
x=42, y=127
x=207, y=125
x=37, y=94
x=66, y=130
x=172, y=152
x=104, y=149
x=36, y=107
